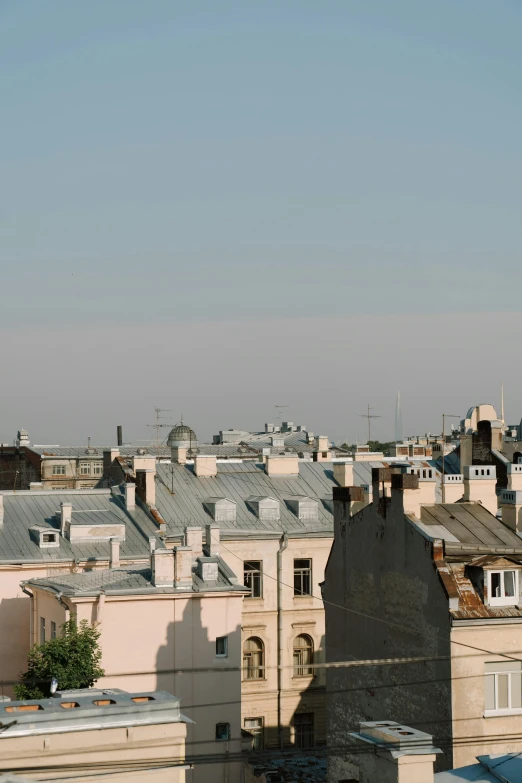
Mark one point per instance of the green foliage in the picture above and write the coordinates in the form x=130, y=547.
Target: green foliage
x=374, y=445
x=73, y=658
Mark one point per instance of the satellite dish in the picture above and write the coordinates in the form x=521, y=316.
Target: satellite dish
x=54, y=686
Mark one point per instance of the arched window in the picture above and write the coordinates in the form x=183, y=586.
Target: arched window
x=253, y=659
x=303, y=655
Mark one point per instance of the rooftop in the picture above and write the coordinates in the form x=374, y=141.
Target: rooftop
x=490, y=769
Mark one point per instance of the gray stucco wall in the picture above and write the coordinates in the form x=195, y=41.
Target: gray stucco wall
x=380, y=565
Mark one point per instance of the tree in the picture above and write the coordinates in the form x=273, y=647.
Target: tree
x=73, y=658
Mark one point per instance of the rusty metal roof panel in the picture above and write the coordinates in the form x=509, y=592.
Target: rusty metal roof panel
x=471, y=606
x=473, y=527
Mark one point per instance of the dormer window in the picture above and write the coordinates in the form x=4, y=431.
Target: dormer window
x=503, y=588
x=44, y=537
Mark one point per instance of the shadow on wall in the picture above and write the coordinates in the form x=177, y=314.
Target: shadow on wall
x=188, y=667
x=14, y=639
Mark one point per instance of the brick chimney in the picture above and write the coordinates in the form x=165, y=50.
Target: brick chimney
x=282, y=465
x=129, y=491
x=514, y=476
x=114, y=561
x=205, y=466
x=162, y=562
x=344, y=500
x=183, y=566
x=343, y=473
x=453, y=487
x=407, y=486
x=178, y=455
x=480, y=483
x=194, y=539
x=396, y=753
x=212, y=539
x=65, y=517
x=146, y=485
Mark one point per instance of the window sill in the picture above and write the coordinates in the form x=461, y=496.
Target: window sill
x=301, y=677
x=502, y=713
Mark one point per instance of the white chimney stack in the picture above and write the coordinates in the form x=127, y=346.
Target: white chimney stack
x=130, y=496
x=396, y=753
x=65, y=516
x=115, y=553
x=480, y=483
x=212, y=539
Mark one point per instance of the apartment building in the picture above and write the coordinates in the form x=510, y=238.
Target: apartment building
x=45, y=532
x=173, y=624
x=435, y=588
x=91, y=734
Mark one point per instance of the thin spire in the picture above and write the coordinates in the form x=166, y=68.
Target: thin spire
x=502, y=401
x=398, y=419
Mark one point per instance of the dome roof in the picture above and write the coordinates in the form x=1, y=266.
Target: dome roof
x=182, y=436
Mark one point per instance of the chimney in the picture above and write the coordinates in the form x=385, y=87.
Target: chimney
x=146, y=484
x=269, y=427
x=115, y=553
x=205, y=466
x=381, y=482
x=208, y=569
x=344, y=500
x=183, y=566
x=453, y=487
x=162, y=566
x=343, y=473
x=212, y=539
x=480, y=482
x=514, y=476
x=130, y=496
x=1, y=508
x=407, y=484
x=321, y=443
x=178, y=455
x=119, y=434
x=194, y=539
x=152, y=544
x=396, y=753
x=282, y=465
x=511, y=505
x=65, y=516
x=427, y=484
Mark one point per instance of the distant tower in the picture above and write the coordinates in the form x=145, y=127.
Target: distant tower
x=398, y=419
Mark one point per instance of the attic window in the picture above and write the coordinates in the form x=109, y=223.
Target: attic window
x=48, y=538
x=503, y=588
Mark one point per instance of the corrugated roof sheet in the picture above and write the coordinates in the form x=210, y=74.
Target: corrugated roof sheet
x=505, y=768
x=23, y=510
x=472, y=526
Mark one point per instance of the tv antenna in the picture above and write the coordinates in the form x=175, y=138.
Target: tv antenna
x=158, y=424
x=369, y=416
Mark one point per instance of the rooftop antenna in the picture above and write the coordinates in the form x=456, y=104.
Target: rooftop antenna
x=398, y=420
x=158, y=425
x=369, y=416
x=88, y=443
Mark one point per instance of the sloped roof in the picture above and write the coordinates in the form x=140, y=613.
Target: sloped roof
x=490, y=769
x=469, y=527
x=26, y=509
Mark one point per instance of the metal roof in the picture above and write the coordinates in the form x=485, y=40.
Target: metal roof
x=490, y=769
x=116, y=581
x=24, y=510
x=225, y=450
x=468, y=527
x=181, y=495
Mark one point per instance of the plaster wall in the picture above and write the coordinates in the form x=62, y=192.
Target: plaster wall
x=110, y=747
x=382, y=568
x=473, y=734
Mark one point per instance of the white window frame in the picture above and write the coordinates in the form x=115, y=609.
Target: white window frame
x=85, y=468
x=53, y=629
x=503, y=600
x=498, y=711
x=97, y=468
x=58, y=470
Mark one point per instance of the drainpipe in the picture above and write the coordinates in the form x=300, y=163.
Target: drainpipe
x=65, y=606
x=32, y=619
x=282, y=546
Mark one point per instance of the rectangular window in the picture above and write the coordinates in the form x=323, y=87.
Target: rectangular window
x=48, y=538
x=58, y=470
x=304, y=729
x=85, y=469
x=302, y=577
x=222, y=732
x=53, y=629
x=42, y=630
x=97, y=468
x=222, y=646
x=502, y=688
x=255, y=727
x=253, y=577
x=503, y=588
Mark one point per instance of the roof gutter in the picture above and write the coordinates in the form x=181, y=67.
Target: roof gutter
x=65, y=606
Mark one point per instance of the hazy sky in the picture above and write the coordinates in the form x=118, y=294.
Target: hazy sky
x=217, y=207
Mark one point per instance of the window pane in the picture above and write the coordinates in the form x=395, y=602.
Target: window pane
x=502, y=695
x=489, y=692
x=495, y=585
x=509, y=584
x=516, y=691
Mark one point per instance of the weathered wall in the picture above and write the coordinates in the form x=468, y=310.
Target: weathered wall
x=18, y=468
x=382, y=568
x=475, y=735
